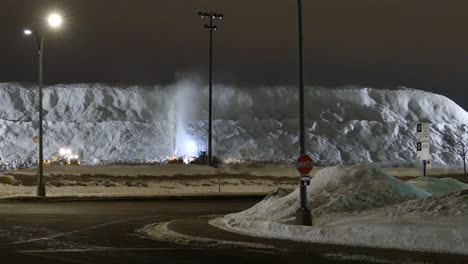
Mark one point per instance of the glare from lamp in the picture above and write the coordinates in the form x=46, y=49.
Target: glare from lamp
x=55, y=20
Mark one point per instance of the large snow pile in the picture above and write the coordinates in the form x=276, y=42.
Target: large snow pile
x=336, y=189
x=359, y=206
x=344, y=125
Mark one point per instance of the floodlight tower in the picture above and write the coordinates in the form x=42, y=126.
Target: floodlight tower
x=54, y=21
x=211, y=16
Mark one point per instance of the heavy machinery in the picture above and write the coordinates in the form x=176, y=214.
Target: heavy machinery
x=64, y=157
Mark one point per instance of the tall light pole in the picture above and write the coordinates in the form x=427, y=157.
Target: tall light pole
x=303, y=215
x=211, y=16
x=54, y=21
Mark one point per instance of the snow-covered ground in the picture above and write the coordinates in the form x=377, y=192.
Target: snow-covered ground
x=254, y=169
x=361, y=206
x=136, y=123
x=173, y=179
x=169, y=170
x=149, y=180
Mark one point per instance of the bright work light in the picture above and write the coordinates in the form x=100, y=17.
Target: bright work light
x=62, y=151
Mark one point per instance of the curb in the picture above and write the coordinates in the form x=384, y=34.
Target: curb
x=175, y=197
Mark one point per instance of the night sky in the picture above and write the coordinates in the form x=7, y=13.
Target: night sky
x=421, y=44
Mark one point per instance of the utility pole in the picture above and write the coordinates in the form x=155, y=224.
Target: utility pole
x=303, y=215
x=211, y=16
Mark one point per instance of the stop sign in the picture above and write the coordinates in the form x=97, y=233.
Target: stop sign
x=304, y=164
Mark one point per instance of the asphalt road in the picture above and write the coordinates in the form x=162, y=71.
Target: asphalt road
x=105, y=232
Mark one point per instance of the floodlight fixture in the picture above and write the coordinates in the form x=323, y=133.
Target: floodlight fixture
x=55, y=20
x=62, y=151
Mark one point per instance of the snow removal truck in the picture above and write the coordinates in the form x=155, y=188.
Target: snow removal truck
x=64, y=157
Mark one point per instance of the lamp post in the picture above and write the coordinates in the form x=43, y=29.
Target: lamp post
x=54, y=21
x=211, y=16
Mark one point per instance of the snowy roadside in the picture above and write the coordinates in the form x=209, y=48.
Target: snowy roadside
x=359, y=206
x=161, y=180
x=164, y=170
x=96, y=186
x=274, y=170
x=147, y=180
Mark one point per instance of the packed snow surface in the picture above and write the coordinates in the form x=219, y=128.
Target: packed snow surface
x=356, y=205
x=115, y=123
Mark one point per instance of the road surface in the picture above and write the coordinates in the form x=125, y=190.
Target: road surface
x=106, y=232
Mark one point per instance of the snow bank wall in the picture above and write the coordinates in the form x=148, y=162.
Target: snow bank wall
x=344, y=125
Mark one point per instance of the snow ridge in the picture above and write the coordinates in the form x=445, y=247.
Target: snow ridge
x=344, y=125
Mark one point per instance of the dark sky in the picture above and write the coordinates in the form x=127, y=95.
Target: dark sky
x=416, y=43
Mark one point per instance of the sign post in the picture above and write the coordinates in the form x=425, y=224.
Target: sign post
x=422, y=144
x=304, y=166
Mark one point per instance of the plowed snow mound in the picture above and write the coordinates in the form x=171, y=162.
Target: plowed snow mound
x=399, y=215
x=336, y=189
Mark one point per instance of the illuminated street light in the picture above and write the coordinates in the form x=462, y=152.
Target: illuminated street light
x=54, y=21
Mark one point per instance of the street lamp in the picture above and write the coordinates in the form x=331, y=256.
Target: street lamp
x=54, y=21
x=211, y=16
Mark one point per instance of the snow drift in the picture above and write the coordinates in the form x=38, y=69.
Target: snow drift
x=110, y=123
x=360, y=206
x=336, y=189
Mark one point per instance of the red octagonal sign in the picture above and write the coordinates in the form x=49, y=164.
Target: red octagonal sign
x=304, y=164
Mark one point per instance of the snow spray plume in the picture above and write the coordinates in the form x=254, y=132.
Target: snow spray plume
x=184, y=106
